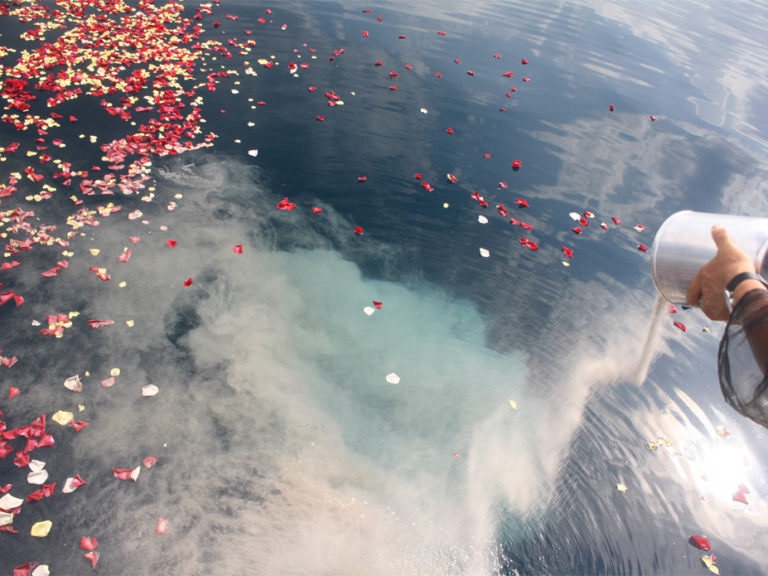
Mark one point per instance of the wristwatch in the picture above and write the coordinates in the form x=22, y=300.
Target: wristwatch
x=738, y=279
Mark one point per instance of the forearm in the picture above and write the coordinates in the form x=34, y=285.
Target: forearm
x=751, y=312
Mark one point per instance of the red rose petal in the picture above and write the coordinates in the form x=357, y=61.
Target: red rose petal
x=149, y=461
x=740, y=496
x=162, y=526
x=88, y=543
x=700, y=542
x=93, y=556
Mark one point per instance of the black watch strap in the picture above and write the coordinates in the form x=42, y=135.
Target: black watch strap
x=739, y=278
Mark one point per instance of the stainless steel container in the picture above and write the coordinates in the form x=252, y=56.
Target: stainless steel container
x=684, y=244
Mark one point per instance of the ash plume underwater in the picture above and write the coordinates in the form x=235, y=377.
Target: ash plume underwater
x=281, y=447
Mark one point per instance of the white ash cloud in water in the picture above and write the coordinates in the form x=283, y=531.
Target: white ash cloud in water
x=281, y=446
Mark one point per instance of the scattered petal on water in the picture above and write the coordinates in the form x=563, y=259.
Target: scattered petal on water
x=73, y=383
x=369, y=310
x=38, y=477
x=740, y=496
x=41, y=529
x=621, y=487
x=72, y=484
x=485, y=253
x=93, y=556
x=393, y=378
x=126, y=473
x=9, y=502
x=709, y=562
x=88, y=543
x=162, y=526
x=62, y=418
x=149, y=390
x=700, y=542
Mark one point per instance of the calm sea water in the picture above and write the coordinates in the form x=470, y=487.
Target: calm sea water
x=517, y=439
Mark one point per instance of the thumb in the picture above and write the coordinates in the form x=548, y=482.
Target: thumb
x=722, y=237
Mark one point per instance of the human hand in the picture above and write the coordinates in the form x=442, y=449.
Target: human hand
x=708, y=286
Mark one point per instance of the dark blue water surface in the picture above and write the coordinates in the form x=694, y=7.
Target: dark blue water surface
x=524, y=435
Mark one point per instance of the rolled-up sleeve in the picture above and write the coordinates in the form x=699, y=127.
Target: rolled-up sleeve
x=743, y=357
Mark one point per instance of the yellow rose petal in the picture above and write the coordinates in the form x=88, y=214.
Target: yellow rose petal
x=41, y=529
x=114, y=372
x=62, y=418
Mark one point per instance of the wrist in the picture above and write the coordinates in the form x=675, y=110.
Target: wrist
x=746, y=286
x=743, y=282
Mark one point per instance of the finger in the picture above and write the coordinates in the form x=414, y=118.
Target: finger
x=693, y=294
x=722, y=237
